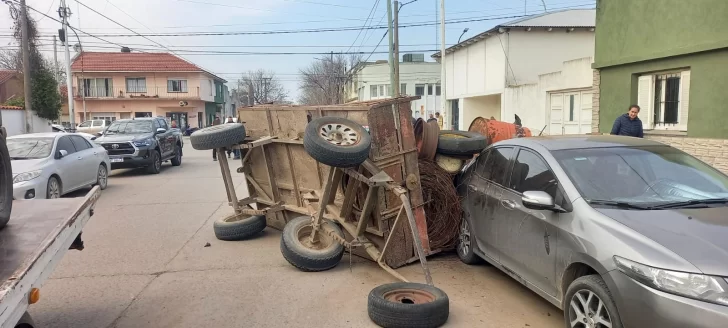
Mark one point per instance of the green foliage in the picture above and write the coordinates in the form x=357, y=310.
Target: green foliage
x=46, y=101
x=16, y=101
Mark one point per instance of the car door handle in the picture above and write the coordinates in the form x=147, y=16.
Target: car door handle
x=79, y=158
x=509, y=204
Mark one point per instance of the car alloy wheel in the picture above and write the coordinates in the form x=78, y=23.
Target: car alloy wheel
x=103, y=177
x=158, y=163
x=54, y=189
x=464, y=244
x=587, y=310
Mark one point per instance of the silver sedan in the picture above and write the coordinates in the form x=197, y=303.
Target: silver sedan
x=49, y=165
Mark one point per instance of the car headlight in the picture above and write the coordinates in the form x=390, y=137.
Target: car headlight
x=691, y=285
x=20, y=177
x=142, y=143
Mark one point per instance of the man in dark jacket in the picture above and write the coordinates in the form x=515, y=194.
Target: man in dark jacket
x=214, y=151
x=629, y=124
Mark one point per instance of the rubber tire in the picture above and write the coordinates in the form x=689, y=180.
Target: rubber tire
x=386, y=313
x=596, y=284
x=304, y=258
x=471, y=258
x=97, y=178
x=177, y=161
x=152, y=169
x=473, y=143
x=239, y=229
x=218, y=136
x=334, y=155
x=6, y=184
x=60, y=187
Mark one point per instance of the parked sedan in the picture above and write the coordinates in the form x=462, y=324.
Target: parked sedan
x=616, y=231
x=49, y=165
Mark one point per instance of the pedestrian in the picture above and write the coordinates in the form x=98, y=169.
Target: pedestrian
x=214, y=151
x=629, y=124
x=432, y=118
x=440, y=120
x=229, y=120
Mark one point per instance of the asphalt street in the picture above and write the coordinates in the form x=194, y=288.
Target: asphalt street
x=146, y=264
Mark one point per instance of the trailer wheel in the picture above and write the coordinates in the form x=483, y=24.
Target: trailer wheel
x=6, y=183
x=218, y=136
x=238, y=227
x=408, y=305
x=460, y=143
x=298, y=250
x=337, y=142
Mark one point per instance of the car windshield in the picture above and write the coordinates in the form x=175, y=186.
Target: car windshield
x=130, y=127
x=29, y=148
x=651, y=175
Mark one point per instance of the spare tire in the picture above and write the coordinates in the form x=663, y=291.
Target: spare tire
x=407, y=304
x=218, y=136
x=460, y=143
x=6, y=183
x=299, y=252
x=337, y=142
x=238, y=227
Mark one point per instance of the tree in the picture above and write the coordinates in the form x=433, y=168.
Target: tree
x=323, y=81
x=45, y=100
x=266, y=88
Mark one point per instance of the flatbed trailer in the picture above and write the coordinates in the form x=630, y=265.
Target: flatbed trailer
x=32, y=244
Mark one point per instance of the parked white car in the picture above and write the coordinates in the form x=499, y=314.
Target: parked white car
x=49, y=165
x=93, y=126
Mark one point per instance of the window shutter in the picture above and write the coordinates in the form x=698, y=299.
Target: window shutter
x=644, y=100
x=684, y=99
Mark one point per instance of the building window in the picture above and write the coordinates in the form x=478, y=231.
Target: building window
x=136, y=84
x=381, y=90
x=100, y=87
x=429, y=90
x=176, y=85
x=419, y=89
x=438, y=89
x=372, y=91
x=403, y=89
x=664, y=100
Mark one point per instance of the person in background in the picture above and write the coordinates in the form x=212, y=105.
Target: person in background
x=629, y=124
x=214, y=151
x=174, y=124
x=432, y=118
x=440, y=120
x=230, y=151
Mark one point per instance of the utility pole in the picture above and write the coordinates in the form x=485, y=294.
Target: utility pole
x=55, y=61
x=443, y=89
x=25, y=46
x=65, y=12
x=395, y=87
x=391, y=44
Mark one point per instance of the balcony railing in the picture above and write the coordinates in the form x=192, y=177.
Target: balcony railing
x=136, y=93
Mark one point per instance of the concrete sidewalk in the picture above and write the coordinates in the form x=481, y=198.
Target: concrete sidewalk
x=146, y=265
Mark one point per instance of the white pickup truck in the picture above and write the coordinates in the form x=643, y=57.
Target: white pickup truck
x=33, y=239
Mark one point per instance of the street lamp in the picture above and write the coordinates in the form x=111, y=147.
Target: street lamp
x=461, y=35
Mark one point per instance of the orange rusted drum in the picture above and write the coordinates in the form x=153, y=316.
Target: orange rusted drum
x=496, y=131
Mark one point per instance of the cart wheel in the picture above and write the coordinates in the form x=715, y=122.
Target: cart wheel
x=238, y=227
x=408, y=305
x=6, y=184
x=337, y=142
x=298, y=250
x=218, y=136
x=460, y=143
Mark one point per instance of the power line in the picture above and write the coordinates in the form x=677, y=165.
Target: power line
x=371, y=12
x=380, y=42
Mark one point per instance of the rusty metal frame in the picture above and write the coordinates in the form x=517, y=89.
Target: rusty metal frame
x=379, y=179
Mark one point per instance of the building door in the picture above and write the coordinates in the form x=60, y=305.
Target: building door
x=177, y=120
x=455, y=114
x=570, y=112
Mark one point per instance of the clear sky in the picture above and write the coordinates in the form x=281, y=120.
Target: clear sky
x=246, y=16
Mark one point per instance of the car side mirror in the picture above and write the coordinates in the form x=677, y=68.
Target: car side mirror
x=540, y=200
x=62, y=153
x=161, y=130
x=98, y=134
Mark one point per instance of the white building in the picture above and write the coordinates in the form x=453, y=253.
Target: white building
x=370, y=81
x=505, y=71
x=14, y=121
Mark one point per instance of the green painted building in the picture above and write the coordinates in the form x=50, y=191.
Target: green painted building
x=671, y=58
x=216, y=106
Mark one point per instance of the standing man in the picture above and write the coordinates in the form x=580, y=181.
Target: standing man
x=214, y=151
x=439, y=119
x=629, y=124
x=432, y=118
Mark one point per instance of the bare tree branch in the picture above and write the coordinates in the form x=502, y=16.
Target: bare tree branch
x=265, y=86
x=323, y=81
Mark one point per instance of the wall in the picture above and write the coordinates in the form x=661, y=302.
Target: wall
x=708, y=82
x=476, y=70
x=127, y=108
x=483, y=106
x=197, y=83
x=630, y=31
x=531, y=101
x=14, y=122
x=538, y=52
